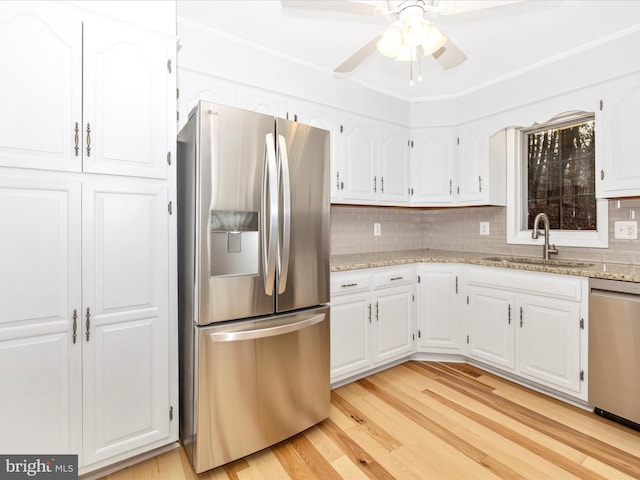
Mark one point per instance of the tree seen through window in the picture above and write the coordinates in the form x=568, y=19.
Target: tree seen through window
x=561, y=175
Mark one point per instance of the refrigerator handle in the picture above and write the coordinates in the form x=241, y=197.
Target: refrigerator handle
x=269, y=214
x=266, y=332
x=283, y=252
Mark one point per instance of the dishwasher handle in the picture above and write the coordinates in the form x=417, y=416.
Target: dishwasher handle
x=265, y=332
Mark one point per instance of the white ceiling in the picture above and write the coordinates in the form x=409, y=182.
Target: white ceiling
x=499, y=42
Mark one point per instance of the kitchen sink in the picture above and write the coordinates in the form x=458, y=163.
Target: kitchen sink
x=538, y=262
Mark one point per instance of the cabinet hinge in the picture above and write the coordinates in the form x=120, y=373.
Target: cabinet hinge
x=169, y=65
x=458, y=141
x=582, y=324
x=467, y=299
x=467, y=339
x=170, y=208
x=413, y=297
x=168, y=158
x=171, y=412
x=582, y=375
x=177, y=93
x=419, y=333
x=418, y=278
x=456, y=284
x=413, y=337
x=341, y=128
x=601, y=105
x=177, y=116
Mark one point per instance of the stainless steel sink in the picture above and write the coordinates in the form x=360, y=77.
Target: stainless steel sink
x=538, y=262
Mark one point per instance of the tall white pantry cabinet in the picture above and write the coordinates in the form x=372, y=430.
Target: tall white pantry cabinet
x=88, y=347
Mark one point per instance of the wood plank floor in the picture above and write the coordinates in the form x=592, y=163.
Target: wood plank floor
x=423, y=420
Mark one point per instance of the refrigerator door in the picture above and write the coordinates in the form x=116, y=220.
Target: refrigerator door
x=258, y=382
x=236, y=214
x=304, y=205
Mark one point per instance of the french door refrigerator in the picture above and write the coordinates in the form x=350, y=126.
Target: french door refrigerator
x=253, y=269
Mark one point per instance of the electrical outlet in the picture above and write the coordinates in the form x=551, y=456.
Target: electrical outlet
x=484, y=228
x=626, y=230
x=377, y=231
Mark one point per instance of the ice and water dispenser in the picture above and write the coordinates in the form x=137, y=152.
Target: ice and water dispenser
x=235, y=246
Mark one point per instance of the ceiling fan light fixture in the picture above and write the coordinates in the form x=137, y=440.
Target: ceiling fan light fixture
x=434, y=40
x=415, y=29
x=390, y=41
x=406, y=53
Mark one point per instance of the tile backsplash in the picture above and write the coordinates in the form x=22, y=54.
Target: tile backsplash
x=459, y=229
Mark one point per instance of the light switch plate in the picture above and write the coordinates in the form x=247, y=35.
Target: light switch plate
x=484, y=228
x=626, y=230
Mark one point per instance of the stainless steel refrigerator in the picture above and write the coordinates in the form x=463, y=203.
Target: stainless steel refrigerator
x=253, y=274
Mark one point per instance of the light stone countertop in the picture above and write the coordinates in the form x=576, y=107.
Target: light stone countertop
x=609, y=271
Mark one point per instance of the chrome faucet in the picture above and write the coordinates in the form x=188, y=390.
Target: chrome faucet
x=545, y=220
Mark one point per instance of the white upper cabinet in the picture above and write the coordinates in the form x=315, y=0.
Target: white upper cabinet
x=84, y=94
x=472, y=160
x=125, y=98
x=372, y=163
x=458, y=167
x=432, y=166
x=357, y=142
x=40, y=91
x=393, y=165
x=618, y=174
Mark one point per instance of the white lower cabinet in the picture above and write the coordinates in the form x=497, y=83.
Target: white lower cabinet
x=530, y=324
x=491, y=326
x=84, y=331
x=438, y=322
x=372, y=319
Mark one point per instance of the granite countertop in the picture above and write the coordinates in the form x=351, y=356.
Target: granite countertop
x=609, y=271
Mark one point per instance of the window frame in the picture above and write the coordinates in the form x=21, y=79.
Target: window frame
x=517, y=191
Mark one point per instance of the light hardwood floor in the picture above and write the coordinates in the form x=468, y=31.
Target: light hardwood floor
x=423, y=420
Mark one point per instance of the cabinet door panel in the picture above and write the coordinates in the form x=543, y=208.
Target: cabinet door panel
x=394, y=166
x=125, y=376
x=438, y=315
x=35, y=405
x=125, y=83
x=40, y=91
x=393, y=320
x=357, y=158
x=432, y=167
x=549, y=342
x=491, y=326
x=40, y=285
x=350, y=334
x=473, y=156
x=620, y=167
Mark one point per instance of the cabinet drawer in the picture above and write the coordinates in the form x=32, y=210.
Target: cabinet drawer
x=393, y=277
x=349, y=282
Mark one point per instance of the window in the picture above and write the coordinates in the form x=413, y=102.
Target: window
x=551, y=169
x=560, y=166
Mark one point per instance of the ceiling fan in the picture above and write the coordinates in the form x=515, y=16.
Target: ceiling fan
x=412, y=33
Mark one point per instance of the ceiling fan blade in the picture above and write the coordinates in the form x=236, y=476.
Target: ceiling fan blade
x=357, y=8
x=449, y=55
x=357, y=58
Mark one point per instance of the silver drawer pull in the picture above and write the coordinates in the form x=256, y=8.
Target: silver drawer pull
x=396, y=278
x=347, y=285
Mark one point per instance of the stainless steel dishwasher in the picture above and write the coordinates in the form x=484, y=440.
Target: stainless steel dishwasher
x=614, y=350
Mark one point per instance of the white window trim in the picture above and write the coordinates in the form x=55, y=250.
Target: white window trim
x=515, y=203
